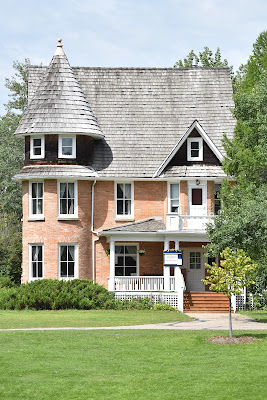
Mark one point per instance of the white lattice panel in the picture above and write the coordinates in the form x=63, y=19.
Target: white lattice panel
x=157, y=298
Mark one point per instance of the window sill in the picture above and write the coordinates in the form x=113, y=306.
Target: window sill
x=66, y=218
x=31, y=219
x=125, y=219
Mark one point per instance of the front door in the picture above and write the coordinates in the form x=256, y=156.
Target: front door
x=194, y=262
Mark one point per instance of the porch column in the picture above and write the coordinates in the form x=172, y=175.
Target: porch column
x=111, y=282
x=166, y=271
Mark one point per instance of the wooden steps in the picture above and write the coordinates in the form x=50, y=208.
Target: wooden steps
x=205, y=302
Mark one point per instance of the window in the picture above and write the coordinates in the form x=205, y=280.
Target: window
x=67, y=261
x=196, y=197
x=195, y=260
x=195, y=149
x=217, y=201
x=125, y=260
x=124, y=200
x=68, y=199
x=174, y=196
x=67, y=147
x=36, y=200
x=36, y=261
x=37, y=147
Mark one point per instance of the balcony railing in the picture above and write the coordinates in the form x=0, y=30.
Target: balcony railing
x=177, y=222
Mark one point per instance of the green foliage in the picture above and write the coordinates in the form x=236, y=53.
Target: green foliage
x=49, y=294
x=18, y=86
x=242, y=224
x=10, y=246
x=164, y=306
x=206, y=58
x=11, y=161
x=233, y=275
x=6, y=282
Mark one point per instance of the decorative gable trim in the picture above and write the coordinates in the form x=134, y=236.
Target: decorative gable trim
x=198, y=127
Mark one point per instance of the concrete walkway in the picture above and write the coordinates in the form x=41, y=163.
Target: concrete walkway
x=202, y=321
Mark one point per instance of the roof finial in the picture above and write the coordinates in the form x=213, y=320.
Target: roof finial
x=59, y=51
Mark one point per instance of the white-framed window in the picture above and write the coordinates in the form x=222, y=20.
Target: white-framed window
x=195, y=260
x=195, y=149
x=173, y=197
x=67, y=200
x=36, y=200
x=126, y=259
x=124, y=200
x=37, y=147
x=36, y=261
x=67, y=146
x=217, y=200
x=68, y=261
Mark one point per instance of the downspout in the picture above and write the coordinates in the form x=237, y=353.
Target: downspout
x=92, y=228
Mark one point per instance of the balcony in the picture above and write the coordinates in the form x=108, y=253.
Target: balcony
x=176, y=222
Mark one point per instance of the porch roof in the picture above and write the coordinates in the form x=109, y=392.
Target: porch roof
x=153, y=224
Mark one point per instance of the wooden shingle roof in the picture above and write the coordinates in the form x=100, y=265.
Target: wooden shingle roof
x=58, y=104
x=144, y=112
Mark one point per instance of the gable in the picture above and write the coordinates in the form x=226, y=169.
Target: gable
x=179, y=154
x=180, y=158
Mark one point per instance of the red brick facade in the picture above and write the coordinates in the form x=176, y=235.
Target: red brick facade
x=150, y=200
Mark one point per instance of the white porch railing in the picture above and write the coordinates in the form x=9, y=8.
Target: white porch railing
x=188, y=222
x=153, y=284
x=139, y=283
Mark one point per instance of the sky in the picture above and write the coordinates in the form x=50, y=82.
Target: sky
x=125, y=33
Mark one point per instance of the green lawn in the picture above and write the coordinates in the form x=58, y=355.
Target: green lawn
x=260, y=316
x=80, y=318
x=136, y=365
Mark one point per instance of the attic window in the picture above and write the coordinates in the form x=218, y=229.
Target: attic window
x=194, y=149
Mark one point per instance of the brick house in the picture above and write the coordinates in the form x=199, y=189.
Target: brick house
x=120, y=165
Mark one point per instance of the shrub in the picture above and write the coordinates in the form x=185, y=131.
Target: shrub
x=49, y=294
x=164, y=306
x=5, y=281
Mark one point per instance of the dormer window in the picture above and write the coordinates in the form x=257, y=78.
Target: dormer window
x=67, y=147
x=37, y=147
x=195, y=149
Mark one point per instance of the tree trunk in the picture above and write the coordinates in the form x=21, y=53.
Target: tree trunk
x=230, y=318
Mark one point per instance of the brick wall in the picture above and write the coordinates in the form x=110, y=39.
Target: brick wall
x=150, y=200
x=51, y=232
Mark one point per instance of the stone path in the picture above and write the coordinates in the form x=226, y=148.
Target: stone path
x=201, y=322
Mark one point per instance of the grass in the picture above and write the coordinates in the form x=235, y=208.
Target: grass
x=80, y=318
x=260, y=316
x=136, y=365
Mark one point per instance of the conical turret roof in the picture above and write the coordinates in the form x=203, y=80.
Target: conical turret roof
x=59, y=105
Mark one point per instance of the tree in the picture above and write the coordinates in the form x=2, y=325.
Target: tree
x=231, y=277
x=11, y=161
x=18, y=86
x=206, y=58
x=242, y=223
x=10, y=246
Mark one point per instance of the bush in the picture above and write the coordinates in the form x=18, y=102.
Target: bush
x=164, y=306
x=5, y=281
x=49, y=294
